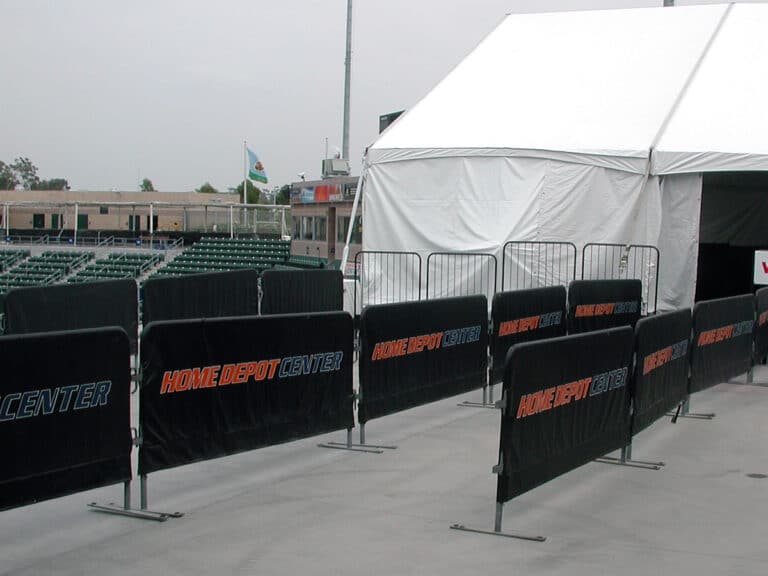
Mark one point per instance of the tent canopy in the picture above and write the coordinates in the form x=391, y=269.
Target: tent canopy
x=604, y=88
x=586, y=127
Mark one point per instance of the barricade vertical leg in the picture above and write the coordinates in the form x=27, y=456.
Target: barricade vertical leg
x=143, y=491
x=127, y=495
x=498, y=517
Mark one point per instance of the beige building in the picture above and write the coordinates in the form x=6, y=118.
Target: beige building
x=320, y=214
x=137, y=212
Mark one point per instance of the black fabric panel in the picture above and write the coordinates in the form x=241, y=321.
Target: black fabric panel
x=601, y=304
x=211, y=295
x=761, y=324
x=662, y=345
x=722, y=340
x=215, y=387
x=74, y=307
x=292, y=291
x=65, y=420
x=414, y=353
x=524, y=316
x=567, y=403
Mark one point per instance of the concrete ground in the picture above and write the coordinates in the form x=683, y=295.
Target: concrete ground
x=299, y=509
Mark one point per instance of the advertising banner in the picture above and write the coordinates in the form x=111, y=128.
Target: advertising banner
x=210, y=295
x=567, y=402
x=213, y=387
x=74, y=307
x=761, y=324
x=662, y=345
x=65, y=423
x=722, y=340
x=524, y=316
x=601, y=304
x=413, y=353
x=295, y=291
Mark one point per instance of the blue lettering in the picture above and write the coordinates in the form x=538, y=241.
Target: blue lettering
x=5, y=407
x=27, y=404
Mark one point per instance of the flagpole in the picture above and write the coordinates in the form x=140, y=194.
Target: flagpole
x=245, y=170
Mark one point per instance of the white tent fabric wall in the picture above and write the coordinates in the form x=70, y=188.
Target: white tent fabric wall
x=558, y=126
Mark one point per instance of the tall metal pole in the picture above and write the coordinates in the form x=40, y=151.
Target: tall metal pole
x=347, y=77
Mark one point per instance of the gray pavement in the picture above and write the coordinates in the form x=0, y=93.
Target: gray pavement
x=299, y=509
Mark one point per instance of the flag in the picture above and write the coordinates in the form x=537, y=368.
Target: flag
x=255, y=167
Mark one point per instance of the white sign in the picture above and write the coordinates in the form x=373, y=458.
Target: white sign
x=761, y=267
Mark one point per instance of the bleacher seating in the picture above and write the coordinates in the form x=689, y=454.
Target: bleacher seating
x=222, y=254
x=118, y=265
x=48, y=268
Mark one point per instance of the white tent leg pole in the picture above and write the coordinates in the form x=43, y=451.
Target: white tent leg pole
x=358, y=191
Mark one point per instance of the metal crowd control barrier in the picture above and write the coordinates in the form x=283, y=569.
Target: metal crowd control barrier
x=386, y=278
x=619, y=261
x=452, y=274
x=537, y=264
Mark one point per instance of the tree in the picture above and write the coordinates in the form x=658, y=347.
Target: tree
x=147, y=186
x=253, y=192
x=25, y=172
x=8, y=179
x=284, y=195
x=52, y=184
x=207, y=188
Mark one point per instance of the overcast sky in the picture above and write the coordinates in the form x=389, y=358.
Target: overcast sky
x=106, y=93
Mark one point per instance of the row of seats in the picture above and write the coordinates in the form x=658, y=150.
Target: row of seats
x=9, y=258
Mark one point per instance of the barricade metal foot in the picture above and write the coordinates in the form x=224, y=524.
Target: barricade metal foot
x=112, y=508
x=126, y=510
x=352, y=447
x=625, y=459
x=683, y=412
x=497, y=528
x=361, y=447
x=498, y=533
x=696, y=416
x=630, y=463
x=486, y=403
x=476, y=405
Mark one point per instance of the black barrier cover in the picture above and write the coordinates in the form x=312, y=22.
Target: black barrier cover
x=761, y=324
x=567, y=403
x=74, y=307
x=215, y=387
x=64, y=414
x=211, y=295
x=413, y=353
x=524, y=316
x=293, y=291
x=660, y=383
x=601, y=304
x=722, y=340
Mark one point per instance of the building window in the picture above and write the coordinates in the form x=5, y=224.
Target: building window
x=38, y=220
x=103, y=209
x=307, y=228
x=296, y=228
x=57, y=221
x=320, y=225
x=357, y=230
x=82, y=221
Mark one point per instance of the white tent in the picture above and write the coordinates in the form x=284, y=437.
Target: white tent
x=579, y=126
